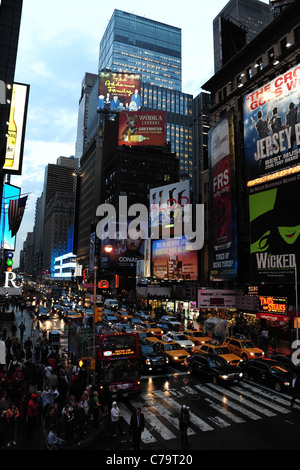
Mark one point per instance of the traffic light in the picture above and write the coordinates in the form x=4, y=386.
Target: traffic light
x=9, y=261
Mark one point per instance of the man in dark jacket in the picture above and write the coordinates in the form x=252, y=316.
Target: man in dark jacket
x=136, y=427
x=295, y=388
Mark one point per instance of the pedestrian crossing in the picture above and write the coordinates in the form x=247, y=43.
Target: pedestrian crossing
x=212, y=407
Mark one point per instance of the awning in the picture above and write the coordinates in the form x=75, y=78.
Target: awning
x=273, y=316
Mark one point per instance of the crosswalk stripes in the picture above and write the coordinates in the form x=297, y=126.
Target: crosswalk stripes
x=235, y=404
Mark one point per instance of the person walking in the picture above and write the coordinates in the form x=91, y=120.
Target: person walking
x=136, y=427
x=295, y=389
x=115, y=416
x=184, y=423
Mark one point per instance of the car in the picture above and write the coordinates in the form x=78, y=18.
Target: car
x=218, y=350
x=109, y=319
x=163, y=325
x=153, y=327
x=180, y=338
x=268, y=372
x=152, y=360
x=112, y=304
x=286, y=359
x=122, y=315
x=123, y=327
x=215, y=369
x=56, y=307
x=175, y=326
x=175, y=353
x=146, y=316
x=87, y=311
x=145, y=335
x=168, y=318
x=198, y=337
x=135, y=321
x=43, y=313
x=244, y=348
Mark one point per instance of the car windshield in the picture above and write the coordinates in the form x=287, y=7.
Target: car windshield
x=279, y=370
x=217, y=361
x=172, y=347
x=181, y=338
x=197, y=334
x=221, y=351
x=247, y=344
x=151, y=325
x=147, y=349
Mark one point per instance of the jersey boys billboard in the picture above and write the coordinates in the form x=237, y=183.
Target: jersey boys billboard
x=223, y=249
x=142, y=128
x=271, y=128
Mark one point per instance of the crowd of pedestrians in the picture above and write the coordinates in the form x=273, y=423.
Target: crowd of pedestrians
x=41, y=393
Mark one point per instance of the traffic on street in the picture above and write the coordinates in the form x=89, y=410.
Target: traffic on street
x=139, y=361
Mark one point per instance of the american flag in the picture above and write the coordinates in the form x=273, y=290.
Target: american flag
x=15, y=213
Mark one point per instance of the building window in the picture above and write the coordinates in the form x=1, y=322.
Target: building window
x=249, y=73
x=283, y=43
x=271, y=55
x=259, y=65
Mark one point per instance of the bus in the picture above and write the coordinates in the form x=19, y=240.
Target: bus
x=117, y=362
x=117, y=356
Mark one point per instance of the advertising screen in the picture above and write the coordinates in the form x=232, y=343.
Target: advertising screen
x=168, y=202
x=10, y=193
x=172, y=260
x=119, y=92
x=16, y=130
x=142, y=128
x=223, y=247
x=271, y=128
x=275, y=229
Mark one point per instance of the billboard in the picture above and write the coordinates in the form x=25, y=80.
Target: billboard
x=223, y=243
x=168, y=202
x=119, y=92
x=142, y=128
x=16, y=130
x=172, y=260
x=271, y=128
x=10, y=193
x=275, y=229
x=124, y=253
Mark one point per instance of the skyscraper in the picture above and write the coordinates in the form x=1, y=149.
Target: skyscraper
x=136, y=44
x=236, y=25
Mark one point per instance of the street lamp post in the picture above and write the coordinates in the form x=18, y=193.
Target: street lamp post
x=296, y=296
x=94, y=322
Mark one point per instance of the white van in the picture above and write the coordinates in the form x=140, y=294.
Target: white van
x=111, y=304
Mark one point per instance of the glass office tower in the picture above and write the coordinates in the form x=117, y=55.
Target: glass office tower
x=136, y=44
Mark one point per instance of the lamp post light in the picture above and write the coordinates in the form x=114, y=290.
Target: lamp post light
x=94, y=322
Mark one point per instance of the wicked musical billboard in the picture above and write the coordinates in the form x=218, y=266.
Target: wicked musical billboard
x=223, y=246
x=119, y=91
x=275, y=229
x=271, y=129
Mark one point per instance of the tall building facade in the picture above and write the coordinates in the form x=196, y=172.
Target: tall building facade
x=83, y=110
x=58, y=178
x=10, y=18
x=136, y=44
x=248, y=16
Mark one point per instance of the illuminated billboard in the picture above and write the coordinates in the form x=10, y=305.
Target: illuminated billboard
x=119, y=92
x=10, y=193
x=171, y=259
x=142, y=128
x=16, y=130
x=223, y=243
x=275, y=229
x=271, y=129
x=168, y=202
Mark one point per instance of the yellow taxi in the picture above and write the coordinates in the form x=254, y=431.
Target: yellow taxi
x=152, y=327
x=145, y=334
x=174, y=352
x=197, y=337
x=218, y=350
x=243, y=348
x=122, y=315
